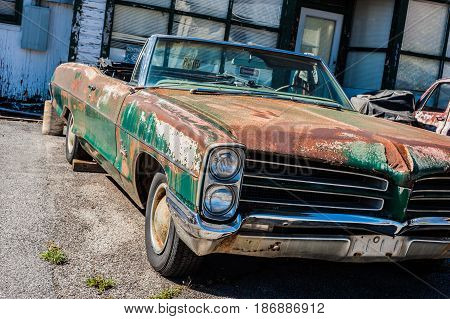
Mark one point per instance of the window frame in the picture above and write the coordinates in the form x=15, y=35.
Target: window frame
x=393, y=49
x=228, y=21
x=442, y=58
x=396, y=40
x=15, y=19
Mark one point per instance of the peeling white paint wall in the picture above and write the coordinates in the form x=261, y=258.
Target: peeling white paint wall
x=90, y=23
x=25, y=73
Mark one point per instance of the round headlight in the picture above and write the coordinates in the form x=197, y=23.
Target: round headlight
x=219, y=200
x=225, y=163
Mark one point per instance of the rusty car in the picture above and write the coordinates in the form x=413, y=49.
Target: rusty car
x=433, y=108
x=240, y=149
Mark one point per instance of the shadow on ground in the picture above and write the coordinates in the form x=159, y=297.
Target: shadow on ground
x=232, y=276
x=245, y=277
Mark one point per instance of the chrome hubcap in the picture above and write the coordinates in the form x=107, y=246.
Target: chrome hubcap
x=160, y=220
x=70, y=136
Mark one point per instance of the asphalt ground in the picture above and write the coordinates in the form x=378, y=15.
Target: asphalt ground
x=102, y=232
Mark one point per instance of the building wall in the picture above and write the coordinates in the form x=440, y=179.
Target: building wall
x=24, y=73
x=87, y=30
x=397, y=44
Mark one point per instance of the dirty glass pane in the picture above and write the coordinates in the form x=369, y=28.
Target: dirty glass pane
x=208, y=7
x=7, y=7
x=446, y=73
x=128, y=38
x=416, y=73
x=356, y=75
x=145, y=22
x=372, y=23
x=425, y=27
x=159, y=3
x=253, y=36
x=260, y=12
x=448, y=47
x=318, y=37
x=199, y=28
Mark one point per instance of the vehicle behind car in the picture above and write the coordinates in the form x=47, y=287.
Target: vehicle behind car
x=431, y=112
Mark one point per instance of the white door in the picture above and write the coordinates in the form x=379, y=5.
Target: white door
x=319, y=33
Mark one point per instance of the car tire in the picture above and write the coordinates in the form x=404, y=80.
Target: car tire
x=166, y=252
x=73, y=148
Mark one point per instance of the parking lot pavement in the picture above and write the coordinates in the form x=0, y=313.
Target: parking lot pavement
x=102, y=232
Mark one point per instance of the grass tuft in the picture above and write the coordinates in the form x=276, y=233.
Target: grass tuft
x=54, y=255
x=100, y=283
x=168, y=293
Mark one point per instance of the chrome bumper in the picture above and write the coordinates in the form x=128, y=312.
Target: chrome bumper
x=389, y=241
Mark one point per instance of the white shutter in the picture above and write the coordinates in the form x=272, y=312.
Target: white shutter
x=372, y=23
x=135, y=25
x=199, y=28
x=215, y=8
x=425, y=27
x=357, y=75
x=260, y=12
x=253, y=36
x=159, y=3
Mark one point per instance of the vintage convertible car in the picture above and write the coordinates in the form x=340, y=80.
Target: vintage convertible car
x=240, y=149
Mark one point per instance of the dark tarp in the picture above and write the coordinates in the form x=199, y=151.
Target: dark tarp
x=396, y=106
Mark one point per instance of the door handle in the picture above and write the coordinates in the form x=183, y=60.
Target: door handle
x=92, y=87
x=440, y=118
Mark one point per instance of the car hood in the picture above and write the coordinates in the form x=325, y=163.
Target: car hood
x=320, y=133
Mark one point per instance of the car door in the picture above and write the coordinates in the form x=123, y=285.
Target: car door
x=104, y=101
x=434, y=109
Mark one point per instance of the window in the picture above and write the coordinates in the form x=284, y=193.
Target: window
x=371, y=26
x=439, y=99
x=425, y=27
x=259, y=12
x=416, y=74
x=424, y=50
x=246, y=21
x=372, y=23
x=213, y=8
x=10, y=11
x=253, y=36
x=199, y=28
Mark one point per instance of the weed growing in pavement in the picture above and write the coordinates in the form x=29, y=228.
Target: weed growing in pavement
x=54, y=255
x=100, y=283
x=168, y=293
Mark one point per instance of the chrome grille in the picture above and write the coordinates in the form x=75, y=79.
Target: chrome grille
x=274, y=181
x=430, y=197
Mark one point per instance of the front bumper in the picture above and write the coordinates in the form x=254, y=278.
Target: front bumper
x=387, y=239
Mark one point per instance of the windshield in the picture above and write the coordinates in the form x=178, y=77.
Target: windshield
x=256, y=71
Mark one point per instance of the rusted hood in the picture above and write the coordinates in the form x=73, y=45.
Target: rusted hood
x=321, y=133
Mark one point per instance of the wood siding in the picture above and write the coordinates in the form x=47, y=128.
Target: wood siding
x=25, y=74
x=87, y=33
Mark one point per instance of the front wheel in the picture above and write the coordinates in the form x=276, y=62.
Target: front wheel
x=166, y=252
x=73, y=147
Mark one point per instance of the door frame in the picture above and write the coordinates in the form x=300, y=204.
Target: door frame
x=339, y=18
